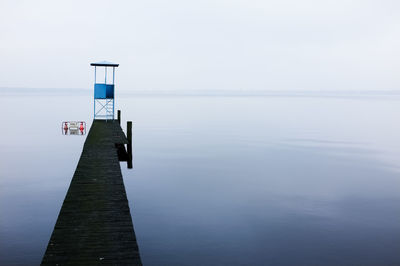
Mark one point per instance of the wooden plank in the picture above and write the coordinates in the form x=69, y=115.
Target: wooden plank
x=94, y=225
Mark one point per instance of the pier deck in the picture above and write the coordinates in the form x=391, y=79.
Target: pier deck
x=94, y=226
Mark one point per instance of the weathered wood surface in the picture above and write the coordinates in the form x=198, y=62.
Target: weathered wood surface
x=94, y=226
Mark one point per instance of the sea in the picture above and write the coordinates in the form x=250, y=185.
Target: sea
x=218, y=178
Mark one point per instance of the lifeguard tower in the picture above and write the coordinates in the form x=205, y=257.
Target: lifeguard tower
x=104, y=92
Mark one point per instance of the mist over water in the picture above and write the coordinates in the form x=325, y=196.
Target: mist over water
x=218, y=180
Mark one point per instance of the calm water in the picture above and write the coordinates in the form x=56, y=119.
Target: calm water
x=219, y=180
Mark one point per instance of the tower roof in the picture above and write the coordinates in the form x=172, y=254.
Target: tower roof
x=104, y=63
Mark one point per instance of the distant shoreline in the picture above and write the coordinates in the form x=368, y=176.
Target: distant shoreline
x=217, y=93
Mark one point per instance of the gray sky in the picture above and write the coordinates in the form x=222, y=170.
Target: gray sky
x=207, y=44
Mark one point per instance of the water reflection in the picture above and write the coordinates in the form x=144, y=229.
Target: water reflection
x=280, y=204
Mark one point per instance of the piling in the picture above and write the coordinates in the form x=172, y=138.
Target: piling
x=129, y=137
x=119, y=117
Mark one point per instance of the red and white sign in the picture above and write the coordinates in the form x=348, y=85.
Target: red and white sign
x=73, y=128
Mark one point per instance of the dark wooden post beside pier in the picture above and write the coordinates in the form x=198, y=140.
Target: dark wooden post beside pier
x=119, y=117
x=129, y=136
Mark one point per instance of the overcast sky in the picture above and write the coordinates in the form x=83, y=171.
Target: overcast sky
x=207, y=44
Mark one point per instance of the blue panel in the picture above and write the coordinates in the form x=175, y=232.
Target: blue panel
x=103, y=91
x=100, y=91
x=110, y=91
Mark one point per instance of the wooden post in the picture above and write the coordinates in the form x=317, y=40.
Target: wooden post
x=119, y=117
x=129, y=137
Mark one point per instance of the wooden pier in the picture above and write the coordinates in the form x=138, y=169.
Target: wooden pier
x=94, y=226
